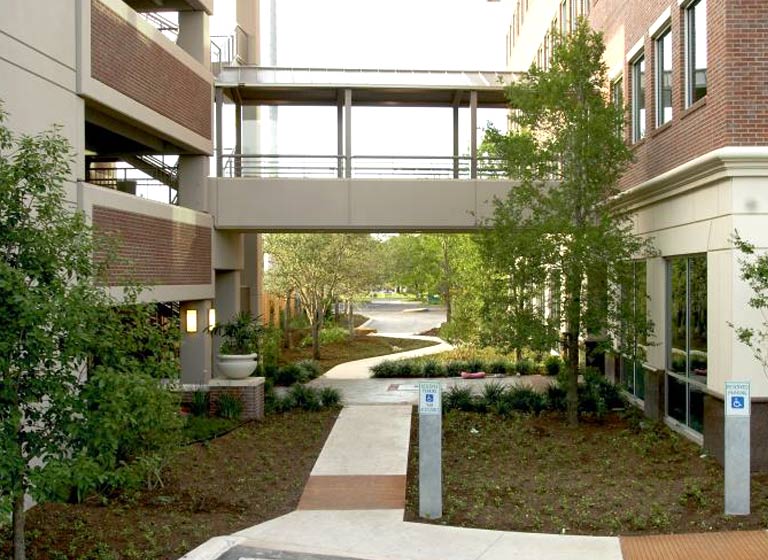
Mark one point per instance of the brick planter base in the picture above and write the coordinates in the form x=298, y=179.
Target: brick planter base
x=249, y=391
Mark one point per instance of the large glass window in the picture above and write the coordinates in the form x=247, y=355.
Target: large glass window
x=687, y=356
x=634, y=298
x=664, y=78
x=695, y=51
x=638, y=99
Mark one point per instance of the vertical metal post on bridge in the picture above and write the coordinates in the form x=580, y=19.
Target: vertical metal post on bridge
x=456, y=103
x=340, y=134
x=238, y=161
x=473, y=134
x=219, y=133
x=348, y=133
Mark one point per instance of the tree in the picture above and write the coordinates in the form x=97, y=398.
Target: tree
x=754, y=271
x=562, y=220
x=317, y=267
x=63, y=425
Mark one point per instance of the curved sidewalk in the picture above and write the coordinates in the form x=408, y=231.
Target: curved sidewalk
x=361, y=369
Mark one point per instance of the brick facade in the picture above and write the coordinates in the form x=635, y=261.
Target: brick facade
x=250, y=392
x=124, y=59
x=152, y=251
x=735, y=109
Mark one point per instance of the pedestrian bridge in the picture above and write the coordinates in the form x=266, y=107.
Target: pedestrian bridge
x=345, y=191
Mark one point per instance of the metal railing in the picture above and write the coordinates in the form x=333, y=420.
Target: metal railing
x=362, y=166
x=161, y=23
x=124, y=179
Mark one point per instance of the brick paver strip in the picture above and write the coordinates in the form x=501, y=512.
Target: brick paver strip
x=354, y=492
x=737, y=545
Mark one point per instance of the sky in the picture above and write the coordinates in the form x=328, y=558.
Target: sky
x=401, y=34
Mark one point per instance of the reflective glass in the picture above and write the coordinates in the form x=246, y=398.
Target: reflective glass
x=678, y=318
x=676, y=397
x=697, y=330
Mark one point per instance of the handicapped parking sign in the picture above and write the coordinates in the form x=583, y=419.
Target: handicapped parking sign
x=429, y=398
x=737, y=398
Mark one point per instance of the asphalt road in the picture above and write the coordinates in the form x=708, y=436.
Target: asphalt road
x=398, y=317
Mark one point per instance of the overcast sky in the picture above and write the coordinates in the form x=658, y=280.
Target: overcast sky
x=419, y=34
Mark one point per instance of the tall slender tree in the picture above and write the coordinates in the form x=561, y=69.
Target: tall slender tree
x=564, y=219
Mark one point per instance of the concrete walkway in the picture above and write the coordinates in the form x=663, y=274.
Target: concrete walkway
x=361, y=369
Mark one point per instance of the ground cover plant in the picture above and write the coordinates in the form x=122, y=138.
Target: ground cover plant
x=255, y=473
x=516, y=473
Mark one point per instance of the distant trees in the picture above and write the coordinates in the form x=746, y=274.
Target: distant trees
x=320, y=267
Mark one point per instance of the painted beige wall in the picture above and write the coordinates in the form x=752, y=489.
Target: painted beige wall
x=536, y=23
x=352, y=204
x=696, y=210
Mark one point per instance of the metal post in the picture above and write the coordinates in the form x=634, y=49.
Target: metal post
x=430, y=451
x=737, y=460
x=473, y=134
x=339, y=134
x=238, y=139
x=456, y=102
x=348, y=133
x=219, y=133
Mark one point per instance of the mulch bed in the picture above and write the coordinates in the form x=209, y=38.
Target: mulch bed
x=253, y=474
x=621, y=476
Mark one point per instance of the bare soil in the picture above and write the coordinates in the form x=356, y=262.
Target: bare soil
x=253, y=474
x=621, y=476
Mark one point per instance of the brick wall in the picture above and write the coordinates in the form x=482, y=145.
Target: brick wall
x=249, y=392
x=735, y=109
x=124, y=59
x=152, y=251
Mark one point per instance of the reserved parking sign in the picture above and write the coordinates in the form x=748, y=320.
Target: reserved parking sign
x=429, y=398
x=737, y=398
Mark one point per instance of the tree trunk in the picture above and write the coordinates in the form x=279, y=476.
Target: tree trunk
x=350, y=319
x=316, y=324
x=19, y=548
x=572, y=343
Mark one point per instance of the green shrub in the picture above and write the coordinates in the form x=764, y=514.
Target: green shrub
x=455, y=367
x=408, y=368
x=520, y=399
x=525, y=367
x=553, y=365
x=556, y=398
x=328, y=335
x=311, y=369
x=385, y=369
x=305, y=397
x=432, y=368
x=491, y=395
x=269, y=349
x=475, y=365
x=199, y=404
x=229, y=406
x=500, y=366
x=330, y=397
x=458, y=398
x=598, y=395
x=290, y=374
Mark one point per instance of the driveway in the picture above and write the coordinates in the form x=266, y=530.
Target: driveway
x=395, y=317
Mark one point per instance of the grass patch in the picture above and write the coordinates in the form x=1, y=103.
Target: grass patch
x=253, y=474
x=623, y=475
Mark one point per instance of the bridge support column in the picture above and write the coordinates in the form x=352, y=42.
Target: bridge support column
x=348, y=133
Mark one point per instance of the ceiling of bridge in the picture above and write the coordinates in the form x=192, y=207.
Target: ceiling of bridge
x=251, y=85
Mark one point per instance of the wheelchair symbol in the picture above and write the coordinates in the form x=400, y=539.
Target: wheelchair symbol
x=430, y=398
x=737, y=402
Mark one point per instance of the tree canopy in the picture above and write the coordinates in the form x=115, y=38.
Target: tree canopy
x=562, y=220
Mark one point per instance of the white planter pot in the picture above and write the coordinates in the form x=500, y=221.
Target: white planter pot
x=236, y=366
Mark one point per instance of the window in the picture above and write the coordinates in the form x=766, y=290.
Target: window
x=634, y=302
x=564, y=26
x=574, y=17
x=664, y=78
x=638, y=99
x=617, y=98
x=695, y=51
x=687, y=340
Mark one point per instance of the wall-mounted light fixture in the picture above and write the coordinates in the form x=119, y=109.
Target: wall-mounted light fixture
x=211, y=318
x=191, y=320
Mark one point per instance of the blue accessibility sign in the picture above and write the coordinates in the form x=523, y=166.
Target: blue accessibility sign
x=737, y=402
x=429, y=397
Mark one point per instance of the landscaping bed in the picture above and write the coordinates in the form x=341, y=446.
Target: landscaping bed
x=356, y=348
x=622, y=475
x=255, y=473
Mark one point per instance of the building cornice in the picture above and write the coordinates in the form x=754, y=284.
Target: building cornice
x=731, y=161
